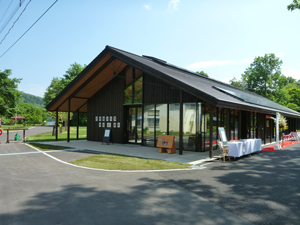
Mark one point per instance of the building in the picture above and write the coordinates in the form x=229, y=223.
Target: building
x=140, y=97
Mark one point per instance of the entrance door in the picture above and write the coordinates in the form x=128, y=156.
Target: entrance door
x=134, y=125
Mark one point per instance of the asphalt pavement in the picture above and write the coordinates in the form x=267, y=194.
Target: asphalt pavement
x=36, y=188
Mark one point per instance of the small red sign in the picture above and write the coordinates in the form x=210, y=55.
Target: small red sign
x=0, y=131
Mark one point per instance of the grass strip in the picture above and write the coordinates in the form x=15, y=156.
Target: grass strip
x=45, y=147
x=121, y=162
x=61, y=136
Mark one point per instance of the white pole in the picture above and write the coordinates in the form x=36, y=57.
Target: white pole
x=277, y=127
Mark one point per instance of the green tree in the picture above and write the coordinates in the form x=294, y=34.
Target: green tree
x=32, y=113
x=294, y=5
x=237, y=83
x=57, y=85
x=72, y=72
x=294, y=98
x=202, y=73
x=9, y=95
x=264, y=76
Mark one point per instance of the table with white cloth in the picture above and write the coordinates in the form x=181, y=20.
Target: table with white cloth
x=246, y=147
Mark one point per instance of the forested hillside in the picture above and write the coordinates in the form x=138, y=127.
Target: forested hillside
x=32, y=99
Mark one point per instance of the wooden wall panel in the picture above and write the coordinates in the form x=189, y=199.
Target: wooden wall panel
x=106, y=102
x=158, y=92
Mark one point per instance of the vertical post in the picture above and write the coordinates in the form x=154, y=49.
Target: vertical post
x=197, y=127
x=265, y=127
x=211, y=127
x=77, y=124
x=228, y=124
x=181, y=124
x=142, y=138
x=56, y=127
x=240, y=125
x=217, y=122
x=69, y=105
x=271, y=129
x=24, y=135
x=154, y=124
x=7, y=136
x=277, y=127
x=168, y=119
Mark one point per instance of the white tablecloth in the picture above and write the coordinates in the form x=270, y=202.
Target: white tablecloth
x=237, y=149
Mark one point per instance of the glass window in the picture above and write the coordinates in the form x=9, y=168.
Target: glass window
x=174, y=122
x=128, y=87
x=161, y=119
x=148, y=139
x=189, y=126
x=138, y=90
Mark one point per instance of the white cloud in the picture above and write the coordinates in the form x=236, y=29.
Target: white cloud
x=33, y=89
x=292, y=73
x=226, y=80
x=206, y=64
x=173, y=5
x=148, y=7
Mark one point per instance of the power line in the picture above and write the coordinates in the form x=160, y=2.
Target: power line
x=15, y=21
x=6, y=11
x=10, y=17
x=28, y=29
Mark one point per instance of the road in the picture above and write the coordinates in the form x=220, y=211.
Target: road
x=29, y=132
x=259, y=189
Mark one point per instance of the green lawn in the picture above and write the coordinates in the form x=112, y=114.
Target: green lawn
x=121, y=162
x=61, y=136
x=103, y=161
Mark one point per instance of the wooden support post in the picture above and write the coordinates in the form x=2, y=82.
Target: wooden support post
x=7, y=137
x=68, y=135
x=240, y=125
x=211, y=131
x=77, y=124
x=181, y=124
x=265, y=127
x=56, y=125
x=24, y=135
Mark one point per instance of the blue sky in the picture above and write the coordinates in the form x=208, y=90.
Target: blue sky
x=219, y=37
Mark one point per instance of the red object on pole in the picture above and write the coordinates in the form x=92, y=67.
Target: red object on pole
x=0, y=131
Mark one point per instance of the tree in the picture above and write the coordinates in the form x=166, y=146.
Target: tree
x=237, y=83
x=57, y=85
x=264, y=76
x=9, y=95
x=72, y=72
x=202, y=73
x=294, y=5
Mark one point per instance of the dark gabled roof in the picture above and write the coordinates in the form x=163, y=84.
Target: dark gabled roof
x=212, y=91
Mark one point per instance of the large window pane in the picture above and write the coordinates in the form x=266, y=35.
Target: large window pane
x=189, y=126
x=149, y=123
x=128, y=87
x=161, y=119
x=174, y=112
x=138, y=90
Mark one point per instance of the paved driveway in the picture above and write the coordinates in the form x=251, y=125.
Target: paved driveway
x=36, y=189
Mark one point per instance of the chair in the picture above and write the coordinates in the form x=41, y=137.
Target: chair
x=223, y=151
